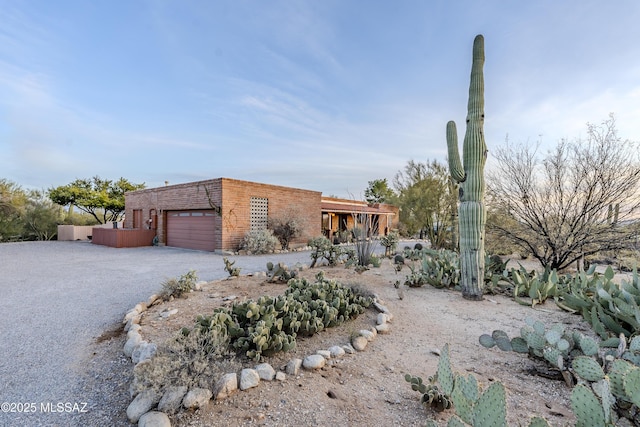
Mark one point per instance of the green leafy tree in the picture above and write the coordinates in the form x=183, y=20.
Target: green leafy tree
x=559, y=206
x=41, y=217
x=379, y=191
x=427, y=200
x=101, y=198
x=13, y=202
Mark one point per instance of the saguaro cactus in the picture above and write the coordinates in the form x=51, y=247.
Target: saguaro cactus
x=470, y=176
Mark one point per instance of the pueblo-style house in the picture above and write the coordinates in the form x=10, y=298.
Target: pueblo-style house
x=216, y=214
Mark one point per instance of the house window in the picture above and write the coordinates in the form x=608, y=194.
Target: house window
x=259, y=213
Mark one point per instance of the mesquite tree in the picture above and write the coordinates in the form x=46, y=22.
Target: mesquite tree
x=578, y=199
x=470, y=176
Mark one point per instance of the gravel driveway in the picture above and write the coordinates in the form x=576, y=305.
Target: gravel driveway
x=58, y=297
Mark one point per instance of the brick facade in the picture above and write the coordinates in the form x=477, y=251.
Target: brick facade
x=232, y=200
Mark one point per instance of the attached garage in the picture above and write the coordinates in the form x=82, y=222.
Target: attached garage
x=191, y=229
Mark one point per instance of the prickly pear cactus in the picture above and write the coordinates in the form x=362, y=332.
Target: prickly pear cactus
x=470, y=176
x=587, y=368
x=491, y=408
x=586, y=407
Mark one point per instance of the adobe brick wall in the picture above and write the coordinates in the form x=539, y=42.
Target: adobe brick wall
x=189, y=196
x=304, y=205
x=234, y=197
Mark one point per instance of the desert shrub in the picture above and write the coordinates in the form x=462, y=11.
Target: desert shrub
x=375, y=261
x=285, y=228
x=229, y=268
x=180, y=286
x=441, y=269
x=280, y=273
x=390, y=242
x=342, y=236
x=259, y=242
x=321, y=248
x=193, y=358
x=364, y=251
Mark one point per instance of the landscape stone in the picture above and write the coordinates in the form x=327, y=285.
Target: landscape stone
x=225, y=386
x=336, y=351
x=381, y=308
x=314, y=361
x=196, y=398
x=135, y=327
x=293, y=367
x=368, y=335
x=249, y=378
x=132, y=343
x=382, y=318
x=172, y=399
x=140, y=307
x=359, y=343
x=168, y=313
x=130, y=314
x=281, y=376
x=383, y=329
x=143, y=351
x=154, y=419
x=324, y=353
x=348, y=349
x=142, y=404
x=266, y=372
x=153, y=300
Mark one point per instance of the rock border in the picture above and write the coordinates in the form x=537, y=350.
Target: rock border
x=149, y=408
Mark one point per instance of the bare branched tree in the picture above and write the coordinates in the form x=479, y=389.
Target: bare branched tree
x=581, y=198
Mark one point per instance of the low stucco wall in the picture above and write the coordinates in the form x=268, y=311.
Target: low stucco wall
x=80, y=232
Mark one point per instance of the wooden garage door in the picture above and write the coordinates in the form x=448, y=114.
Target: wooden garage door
x=191, y=229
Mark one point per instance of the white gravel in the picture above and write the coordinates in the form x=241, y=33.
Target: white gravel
x=57, y=298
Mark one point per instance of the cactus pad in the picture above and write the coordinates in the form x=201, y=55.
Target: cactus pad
x=618, y=371
x=487, y=340
x=504, y=344
x=589, y=346
x=519, y=345
x=586, y=407
x=552, y=336
x=538, y=326
x=563, y=345
x=538, y=422
x=536, y=341
x=631, y=384
x=602, y=390
x=587, y=368
x=634, y=344
x=445, y=374
x=469, y=386
x=464, y=407
x=552, y=355
x=491, y=409
x=455, y=422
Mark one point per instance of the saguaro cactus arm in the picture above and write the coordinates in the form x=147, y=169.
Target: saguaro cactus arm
x=455, y=165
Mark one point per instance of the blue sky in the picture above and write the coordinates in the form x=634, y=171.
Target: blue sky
x=324, y=95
